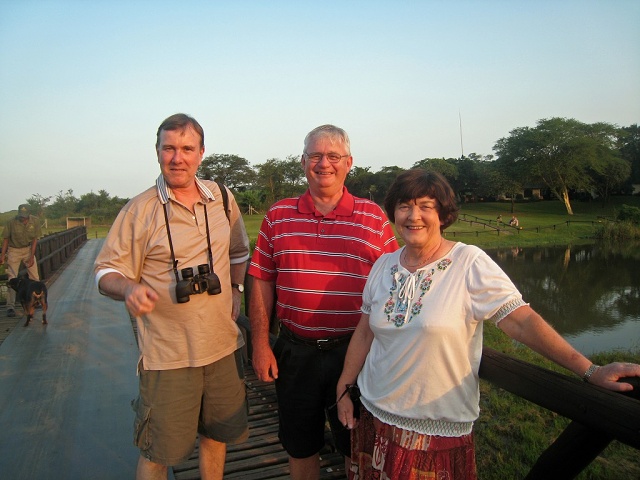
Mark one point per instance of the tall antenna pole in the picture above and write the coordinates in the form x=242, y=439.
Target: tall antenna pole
x=461, y=146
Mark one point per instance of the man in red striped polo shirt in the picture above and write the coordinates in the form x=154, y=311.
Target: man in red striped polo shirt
x=311, y=261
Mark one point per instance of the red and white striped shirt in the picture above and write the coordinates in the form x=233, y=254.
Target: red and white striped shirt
x=320, y=263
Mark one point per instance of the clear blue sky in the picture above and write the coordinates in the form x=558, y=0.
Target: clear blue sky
x=85, y=84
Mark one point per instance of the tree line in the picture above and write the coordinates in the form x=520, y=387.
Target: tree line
x=559, y=158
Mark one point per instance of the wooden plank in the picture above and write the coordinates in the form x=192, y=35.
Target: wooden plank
x=575, y=448
x=262, y=457
x=7, y=324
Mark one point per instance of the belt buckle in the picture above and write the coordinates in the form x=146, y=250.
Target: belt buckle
x=322, y=343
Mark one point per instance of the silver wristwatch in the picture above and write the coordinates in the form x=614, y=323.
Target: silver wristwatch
x=590, y=371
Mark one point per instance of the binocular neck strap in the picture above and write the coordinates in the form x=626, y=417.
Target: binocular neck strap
x=206, y=222
x=174, y=262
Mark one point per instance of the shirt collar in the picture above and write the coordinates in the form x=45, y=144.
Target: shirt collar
x=344, y=208
x=164, y=191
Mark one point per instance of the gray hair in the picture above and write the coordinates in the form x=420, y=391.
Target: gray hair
x=336, y=134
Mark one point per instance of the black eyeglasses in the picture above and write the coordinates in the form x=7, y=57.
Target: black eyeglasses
x=332, y=157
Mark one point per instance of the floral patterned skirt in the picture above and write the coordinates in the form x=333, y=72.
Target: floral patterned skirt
x=384, y=452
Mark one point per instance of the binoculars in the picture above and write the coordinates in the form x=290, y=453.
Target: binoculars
x=204, y=281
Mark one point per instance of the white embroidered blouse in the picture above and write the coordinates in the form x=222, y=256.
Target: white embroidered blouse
x=421, y=373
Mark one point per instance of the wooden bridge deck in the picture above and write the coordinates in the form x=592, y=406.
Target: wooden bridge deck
x=262, y=456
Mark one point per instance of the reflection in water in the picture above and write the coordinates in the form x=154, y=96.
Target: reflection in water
x=589, y=293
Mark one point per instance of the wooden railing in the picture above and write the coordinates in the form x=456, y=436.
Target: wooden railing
x=493, y=226
x=54, y=250
x=598, y=415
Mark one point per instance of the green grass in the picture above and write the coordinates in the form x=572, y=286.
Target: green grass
x=543, y=223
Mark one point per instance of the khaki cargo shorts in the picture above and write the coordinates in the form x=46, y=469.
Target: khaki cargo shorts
x=174, y=405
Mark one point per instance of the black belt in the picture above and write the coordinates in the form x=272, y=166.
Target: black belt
x=319, y=343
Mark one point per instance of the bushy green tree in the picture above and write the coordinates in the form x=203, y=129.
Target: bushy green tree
x=64, y=205
x=629, y=213
x=232, y=170
x=270, y=177
x=38, y=204
x=293, y=176
x=101, y=207
x=629, y=146
x=559, y=152
x=361, y=182
x=446, y=167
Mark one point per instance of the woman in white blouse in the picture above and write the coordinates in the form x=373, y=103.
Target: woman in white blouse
x=416, y=351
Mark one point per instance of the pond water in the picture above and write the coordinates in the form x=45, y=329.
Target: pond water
x=590, y=293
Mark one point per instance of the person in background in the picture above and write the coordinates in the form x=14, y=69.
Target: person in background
x=416, y=351
x=514, y=221
x=19, y=241
x=311, y=260
x=191, y=378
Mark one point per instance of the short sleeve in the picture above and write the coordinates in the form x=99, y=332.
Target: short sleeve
x=493, y=294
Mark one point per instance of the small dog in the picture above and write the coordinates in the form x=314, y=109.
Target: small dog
x=29, y=293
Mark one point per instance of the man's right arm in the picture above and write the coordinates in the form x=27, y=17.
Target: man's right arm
x=139, y=299
x=260, y=308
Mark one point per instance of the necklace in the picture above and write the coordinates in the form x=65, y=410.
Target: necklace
x=421, y=262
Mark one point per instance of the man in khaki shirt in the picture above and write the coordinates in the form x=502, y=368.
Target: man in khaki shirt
x=19, y=241
x=191, y=379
